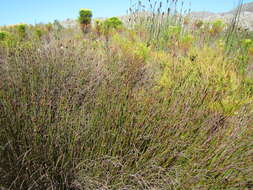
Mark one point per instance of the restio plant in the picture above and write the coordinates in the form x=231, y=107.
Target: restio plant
x=85, y=16
x=161, y=105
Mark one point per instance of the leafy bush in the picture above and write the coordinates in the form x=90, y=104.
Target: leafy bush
x=113, y=23
x=217, y=27
x=3, y=35
x=21, y=30
x=85, y=16
x=38, y=33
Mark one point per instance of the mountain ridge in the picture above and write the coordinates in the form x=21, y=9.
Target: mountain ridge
x=245, y=19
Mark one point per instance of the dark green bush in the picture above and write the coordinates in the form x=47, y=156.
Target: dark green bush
x=85, y=16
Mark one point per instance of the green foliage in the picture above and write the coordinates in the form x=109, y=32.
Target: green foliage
x=85, y=16
x=158, y=106
x=21, y=30
x=186, y=41
x=108, y=26
x=174, y=31
x=38, y=33
x=3, y=35
x=133, y=51
x=247, y=43
x=217, y=27
x=98, y=26
x=112, y=23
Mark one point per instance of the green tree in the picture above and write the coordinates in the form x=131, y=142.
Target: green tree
x=113, y=23
x=85, y=16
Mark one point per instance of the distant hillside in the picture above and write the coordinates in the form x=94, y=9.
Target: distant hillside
x=246, y=17
x=248, y=7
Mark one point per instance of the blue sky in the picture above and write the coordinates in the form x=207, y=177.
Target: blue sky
x=36, y=11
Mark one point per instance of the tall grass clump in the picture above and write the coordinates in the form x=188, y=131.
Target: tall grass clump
x=135, y=114
x=156, y=17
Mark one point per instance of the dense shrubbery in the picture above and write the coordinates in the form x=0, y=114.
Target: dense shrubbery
x=126, y=111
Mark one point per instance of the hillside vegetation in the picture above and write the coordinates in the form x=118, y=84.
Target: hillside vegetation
x=245, y=19
x=157, y=102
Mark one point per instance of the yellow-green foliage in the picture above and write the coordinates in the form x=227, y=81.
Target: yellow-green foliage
x=109, y=25
x=247, y=43
x=174, y=31
x=21, y=30
x=217, y=27
x=113, y=23
x=132, y=50
x=85, y=16
x=98, y=26
x=38, y=33
x=209, y=66
x=186, y=41
x=3, y=35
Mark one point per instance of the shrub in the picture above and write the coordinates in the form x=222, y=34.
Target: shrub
x=3, y=35
x=21, y=30
x=113, y=23
x=247, y=43
x=85, y=16
x=38, y=33
x=186, y=41
x=109, y=25
x=217, y=27
x=174, y=31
